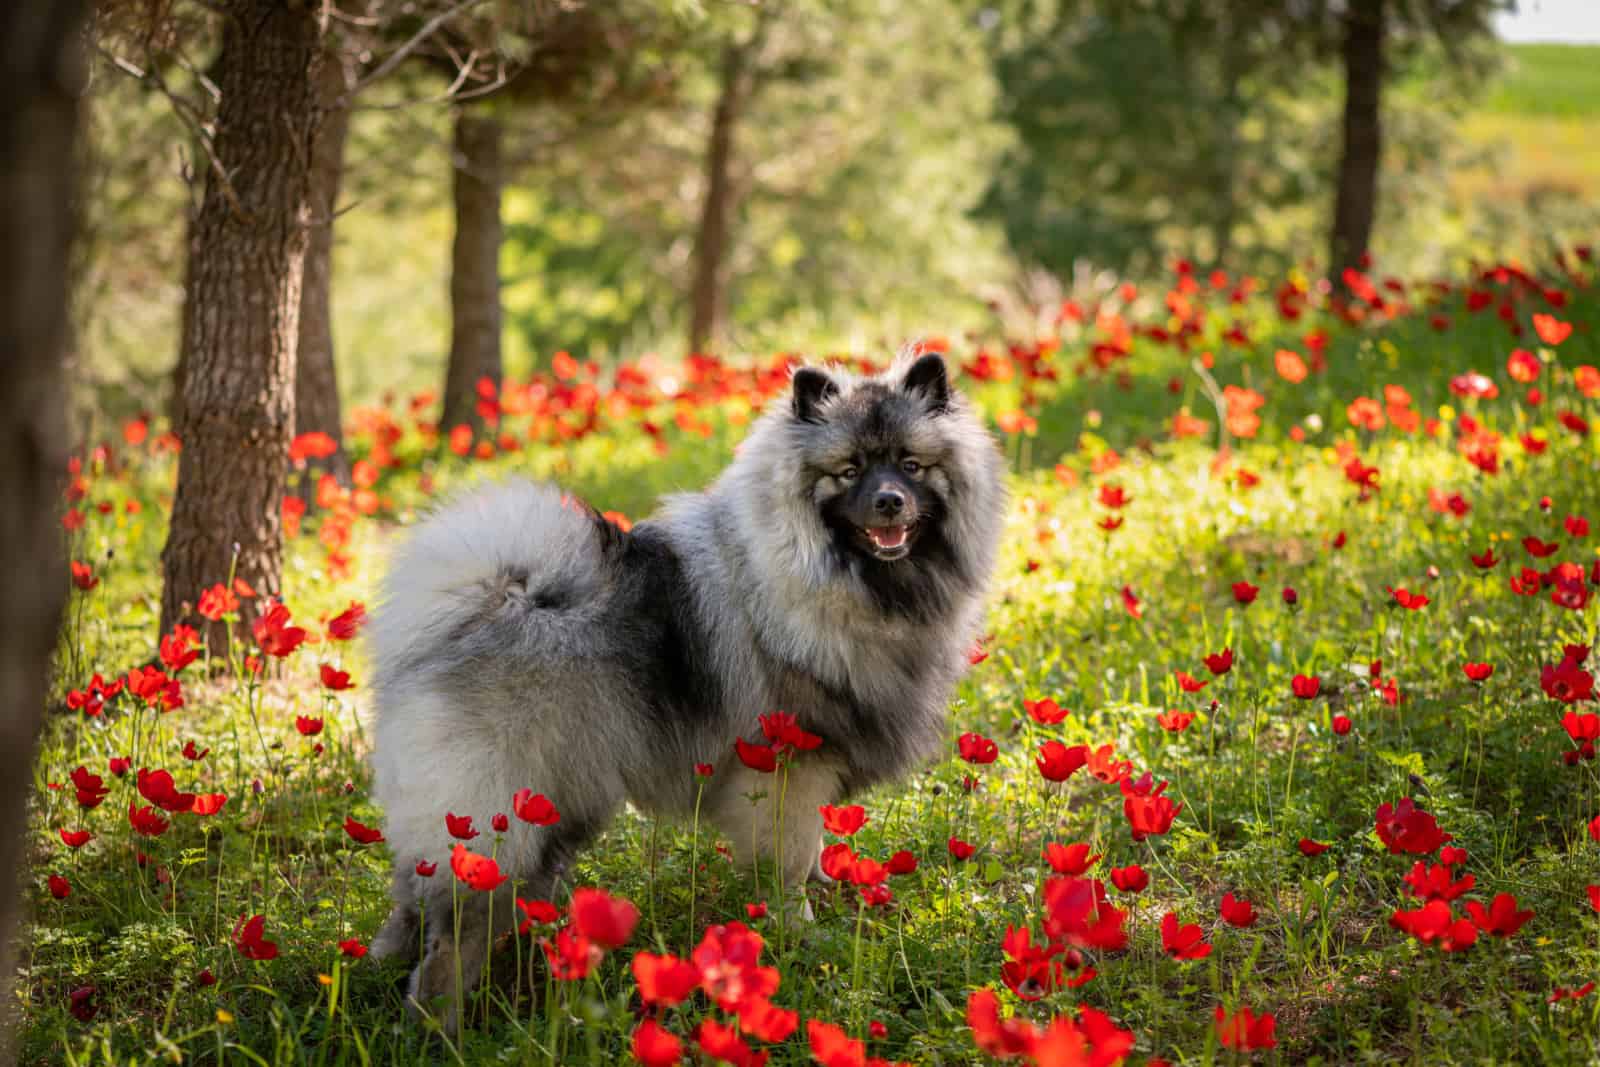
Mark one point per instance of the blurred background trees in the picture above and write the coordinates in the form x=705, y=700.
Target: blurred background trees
x=476, y=186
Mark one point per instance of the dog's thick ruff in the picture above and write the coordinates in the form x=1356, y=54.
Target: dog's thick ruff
x=524, y=642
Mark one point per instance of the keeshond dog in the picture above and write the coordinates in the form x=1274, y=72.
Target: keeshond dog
x=836, y=570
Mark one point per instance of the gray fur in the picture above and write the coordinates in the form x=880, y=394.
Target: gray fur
x=524, y=642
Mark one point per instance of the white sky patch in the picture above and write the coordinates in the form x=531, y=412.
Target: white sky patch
x=1553, y=21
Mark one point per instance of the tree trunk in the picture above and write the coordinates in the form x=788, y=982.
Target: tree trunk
x=1357, y=195
x=707, y=297
x=42, y=72
x=474, y=268
x=242, y=314
x=316, y=382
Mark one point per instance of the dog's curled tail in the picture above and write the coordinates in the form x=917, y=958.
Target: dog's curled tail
x=495, y=554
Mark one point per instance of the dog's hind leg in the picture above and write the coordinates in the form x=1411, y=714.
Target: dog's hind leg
x=398, y=937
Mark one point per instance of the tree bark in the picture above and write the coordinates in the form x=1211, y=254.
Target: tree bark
x=1356, y=199
x=316, y=383
x=242, y=313
x=42, y=73
x=707, y=297
x=474, y=267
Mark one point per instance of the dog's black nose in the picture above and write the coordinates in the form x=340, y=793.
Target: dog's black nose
x=889, y=502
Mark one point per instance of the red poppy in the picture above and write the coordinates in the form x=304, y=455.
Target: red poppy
x=80, y=1002
x=1404, y=827
x=274, y=634
x=1341, y=725
x=1045, y=712
x=425, y=869
x=1433, y=923
x=902, y=862
x=307, y=726
x=765, y=1021
x=1477, y=672
x=178, y=649
x=346, y=624
x=1190, y=684
x=1150, y=814
x=1309, y=847
x=1484, y=560
x=1561, y=993
x=756, y=911
x=1539, y=549
x=1220, y=662
x=1551, y=330
x=335, y=679
x=1594, y=896
x=540, y=912
x=1407, y=599
x=158, y=788
x=1000, y=1038
x=606, y=920
x=75, y=839
x=1183, y=942
x=145, y=821
x=843, y=821
x=91, y=788
x=1305, y=686
x=1058, y=762
x=1576, y=526
x=1130, y=879
x=784, y=732
x=1245, y=1031
x=216, y=602
x=977, y=749
x=763, y=759
x=360, y=834
x=1436, y=882
x=960, y=849
x=723, y=1043
x=570, y=954
x=1244, y=592
x=353, y=948
x=703, y=770
x=249, y=939
x=1104, y=765
x=1130, y=602
x=664, y=980
x=1501, y=918
x=1567, y=682
x=60, y=888
x=190, y=752
x=1071, y=859
x=477, y=872
x=656, y=1046
x=1236, y=911
x=1113, y=496
x=208, y=803
x=460, y=826
x=1174, y=721
x=534, y=808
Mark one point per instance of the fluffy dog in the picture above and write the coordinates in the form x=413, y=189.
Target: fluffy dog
x=836, y=570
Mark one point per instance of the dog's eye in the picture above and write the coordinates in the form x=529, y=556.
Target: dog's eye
x=848, y=474
x=910, y=466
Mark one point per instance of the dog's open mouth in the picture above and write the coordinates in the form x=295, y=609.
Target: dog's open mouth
x=890, y=542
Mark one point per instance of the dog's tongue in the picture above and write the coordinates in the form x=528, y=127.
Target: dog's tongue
x=887, y=536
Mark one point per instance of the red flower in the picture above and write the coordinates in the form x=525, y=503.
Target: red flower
x=1113, y=496
x=1190, y=684
x=190, y=752
x=353, y=948
x=571, y=955
x=1309, y=847
x=217, y=602
x=499, y=823
x=75, y=838
x=1501, y=918
x=656, y=1046
x=1220, y=662
x=145, y=821
x=843, y=821
x=177, y=648
x=1174, y=721
x=1078, y=913
x=704, y=770
x=1071, y=859
x=1561, y=993
x=1551, y=330
x=756, y=911
x=208, y=803
x=901, y=862
x=1130, y=879
x=1406, y=599
x=1594, y=896
x=1149, y=814
x=1341, y=724
x=1057, y=762
x=1477, y=672
x=763, y=759
x=1305, y=686
x=1045, y=712
x=664, y=980
x=157, y=787
x=1539, y=549
x=832, y=1047
x=274, y=634
x=361, y=835
x=977, y=749
x=960, y=849
x=534, y=808
x=1404, y=827
x=91, y=788
x=784, y=732
x=60, y=888
x=1433, y=923
x=1484, y=560
x=541, y=912
x=425, y=869
x=1104, y=765
x=1567, y=682
x=80, y=1002
x=1577, y=526
x=1435, y=882
x=1245, y=1031
x=606, y=920
x=1244, y=592
x=1236, y=911
x=334, y=679
x=249, y=940
x=1183, y=942
x=1130, y=602
x=1522, y=366
x=1290, y=597
x=1594, y=828
x=728, y=958
x=346, y=624
x=459, y=826
x=307, y=726
x=1000, y=1038
x=723, y=1043
x=478, y=872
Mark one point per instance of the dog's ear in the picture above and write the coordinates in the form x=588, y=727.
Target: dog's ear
x=928, y=377
x=811, y=388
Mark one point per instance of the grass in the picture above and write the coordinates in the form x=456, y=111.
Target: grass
x=1256, y=771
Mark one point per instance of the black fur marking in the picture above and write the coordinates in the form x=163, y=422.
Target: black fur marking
x=913, y=587
x=929, y=377
x=811, y=388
